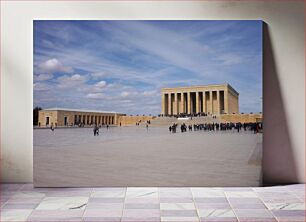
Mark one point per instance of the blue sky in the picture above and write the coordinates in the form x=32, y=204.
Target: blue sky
x=122, y=65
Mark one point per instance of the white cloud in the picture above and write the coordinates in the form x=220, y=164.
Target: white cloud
x=52, y=66
x=95, y=96
x=76, y=77
x=98, y=75
x=230, y=59
x=101, y=84
x=73, y=81
x=41, y=86
x=150, y=93
x=42, y=77
x=124, y=94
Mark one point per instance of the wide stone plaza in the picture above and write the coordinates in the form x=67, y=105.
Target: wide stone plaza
x=146, y=157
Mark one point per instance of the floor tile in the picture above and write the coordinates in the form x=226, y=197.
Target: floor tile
x=176, y=200
x=216, y=213
x=102, y=219
x=238, y=189
x=177, y=206
x=213, y=205
x=142, y=200
x=218, y=219
x=109, y=189
x=140, y=219
x=173, y=189
x=141, y=206
x=251, y=219
x=248, y=206
x=91, y=205
x=274, y=197
x=103, y=213
x=285, y=206
x=296, y=187
x=62, y=203
x=210, y=200
x=28, y=194
x=57, y=214
x=243, y=194
x=253, y=213
x=179, y=219
x=110, y=204
x=145, y=213
x=108, y=194
x=24, y=200
x=179, y=213
x=278, y=189
x=67, y=193
x=54, y=219
x=291, y=219
x=146, y=192
x=207, y=192
x=20, y=206
x=14, y=214
x=176, y=193
x=245, y=200
x=105, y=200
x=289, y=213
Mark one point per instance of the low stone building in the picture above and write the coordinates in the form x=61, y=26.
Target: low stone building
x=71, y=117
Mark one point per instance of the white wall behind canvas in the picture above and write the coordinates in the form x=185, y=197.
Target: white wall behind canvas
x=284, y=77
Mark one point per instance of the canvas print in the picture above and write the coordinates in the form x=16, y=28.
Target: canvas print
x=147, y=103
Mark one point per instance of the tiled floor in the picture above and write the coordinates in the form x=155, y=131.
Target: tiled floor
x=22, y=202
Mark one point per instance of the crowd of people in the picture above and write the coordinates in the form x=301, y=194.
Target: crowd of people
x=255, y=127
x=185, y=115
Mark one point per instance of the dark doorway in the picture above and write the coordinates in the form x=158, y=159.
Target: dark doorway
x=47, y=120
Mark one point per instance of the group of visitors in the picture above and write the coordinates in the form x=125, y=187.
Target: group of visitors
x=185, y=115
x=96, y=129
x=148, y=122
x=173, y=128
x=255, y=127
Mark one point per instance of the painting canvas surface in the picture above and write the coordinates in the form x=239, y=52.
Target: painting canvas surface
x=147, y=103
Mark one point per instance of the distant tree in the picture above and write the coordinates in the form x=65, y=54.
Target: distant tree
x=35, y=115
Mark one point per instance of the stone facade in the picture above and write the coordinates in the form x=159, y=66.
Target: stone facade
x=70, y=117
x=242, y=118
x=132, y=120
x=210, y=99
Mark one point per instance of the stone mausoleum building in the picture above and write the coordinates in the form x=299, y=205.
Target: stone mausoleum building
x=71, y=117
x=209, y=99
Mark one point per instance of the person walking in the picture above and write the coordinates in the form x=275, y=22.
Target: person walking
x=95, y=130
x=52, y=127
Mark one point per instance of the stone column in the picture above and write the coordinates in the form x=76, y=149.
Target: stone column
x=197, y=102
x=204, y=102
x=163, y=104
x=226, y=110
x=175, y=112
x=188, y=103
x=218, y=102
x=169, y=104
x=211, y=102
x=182, y=103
